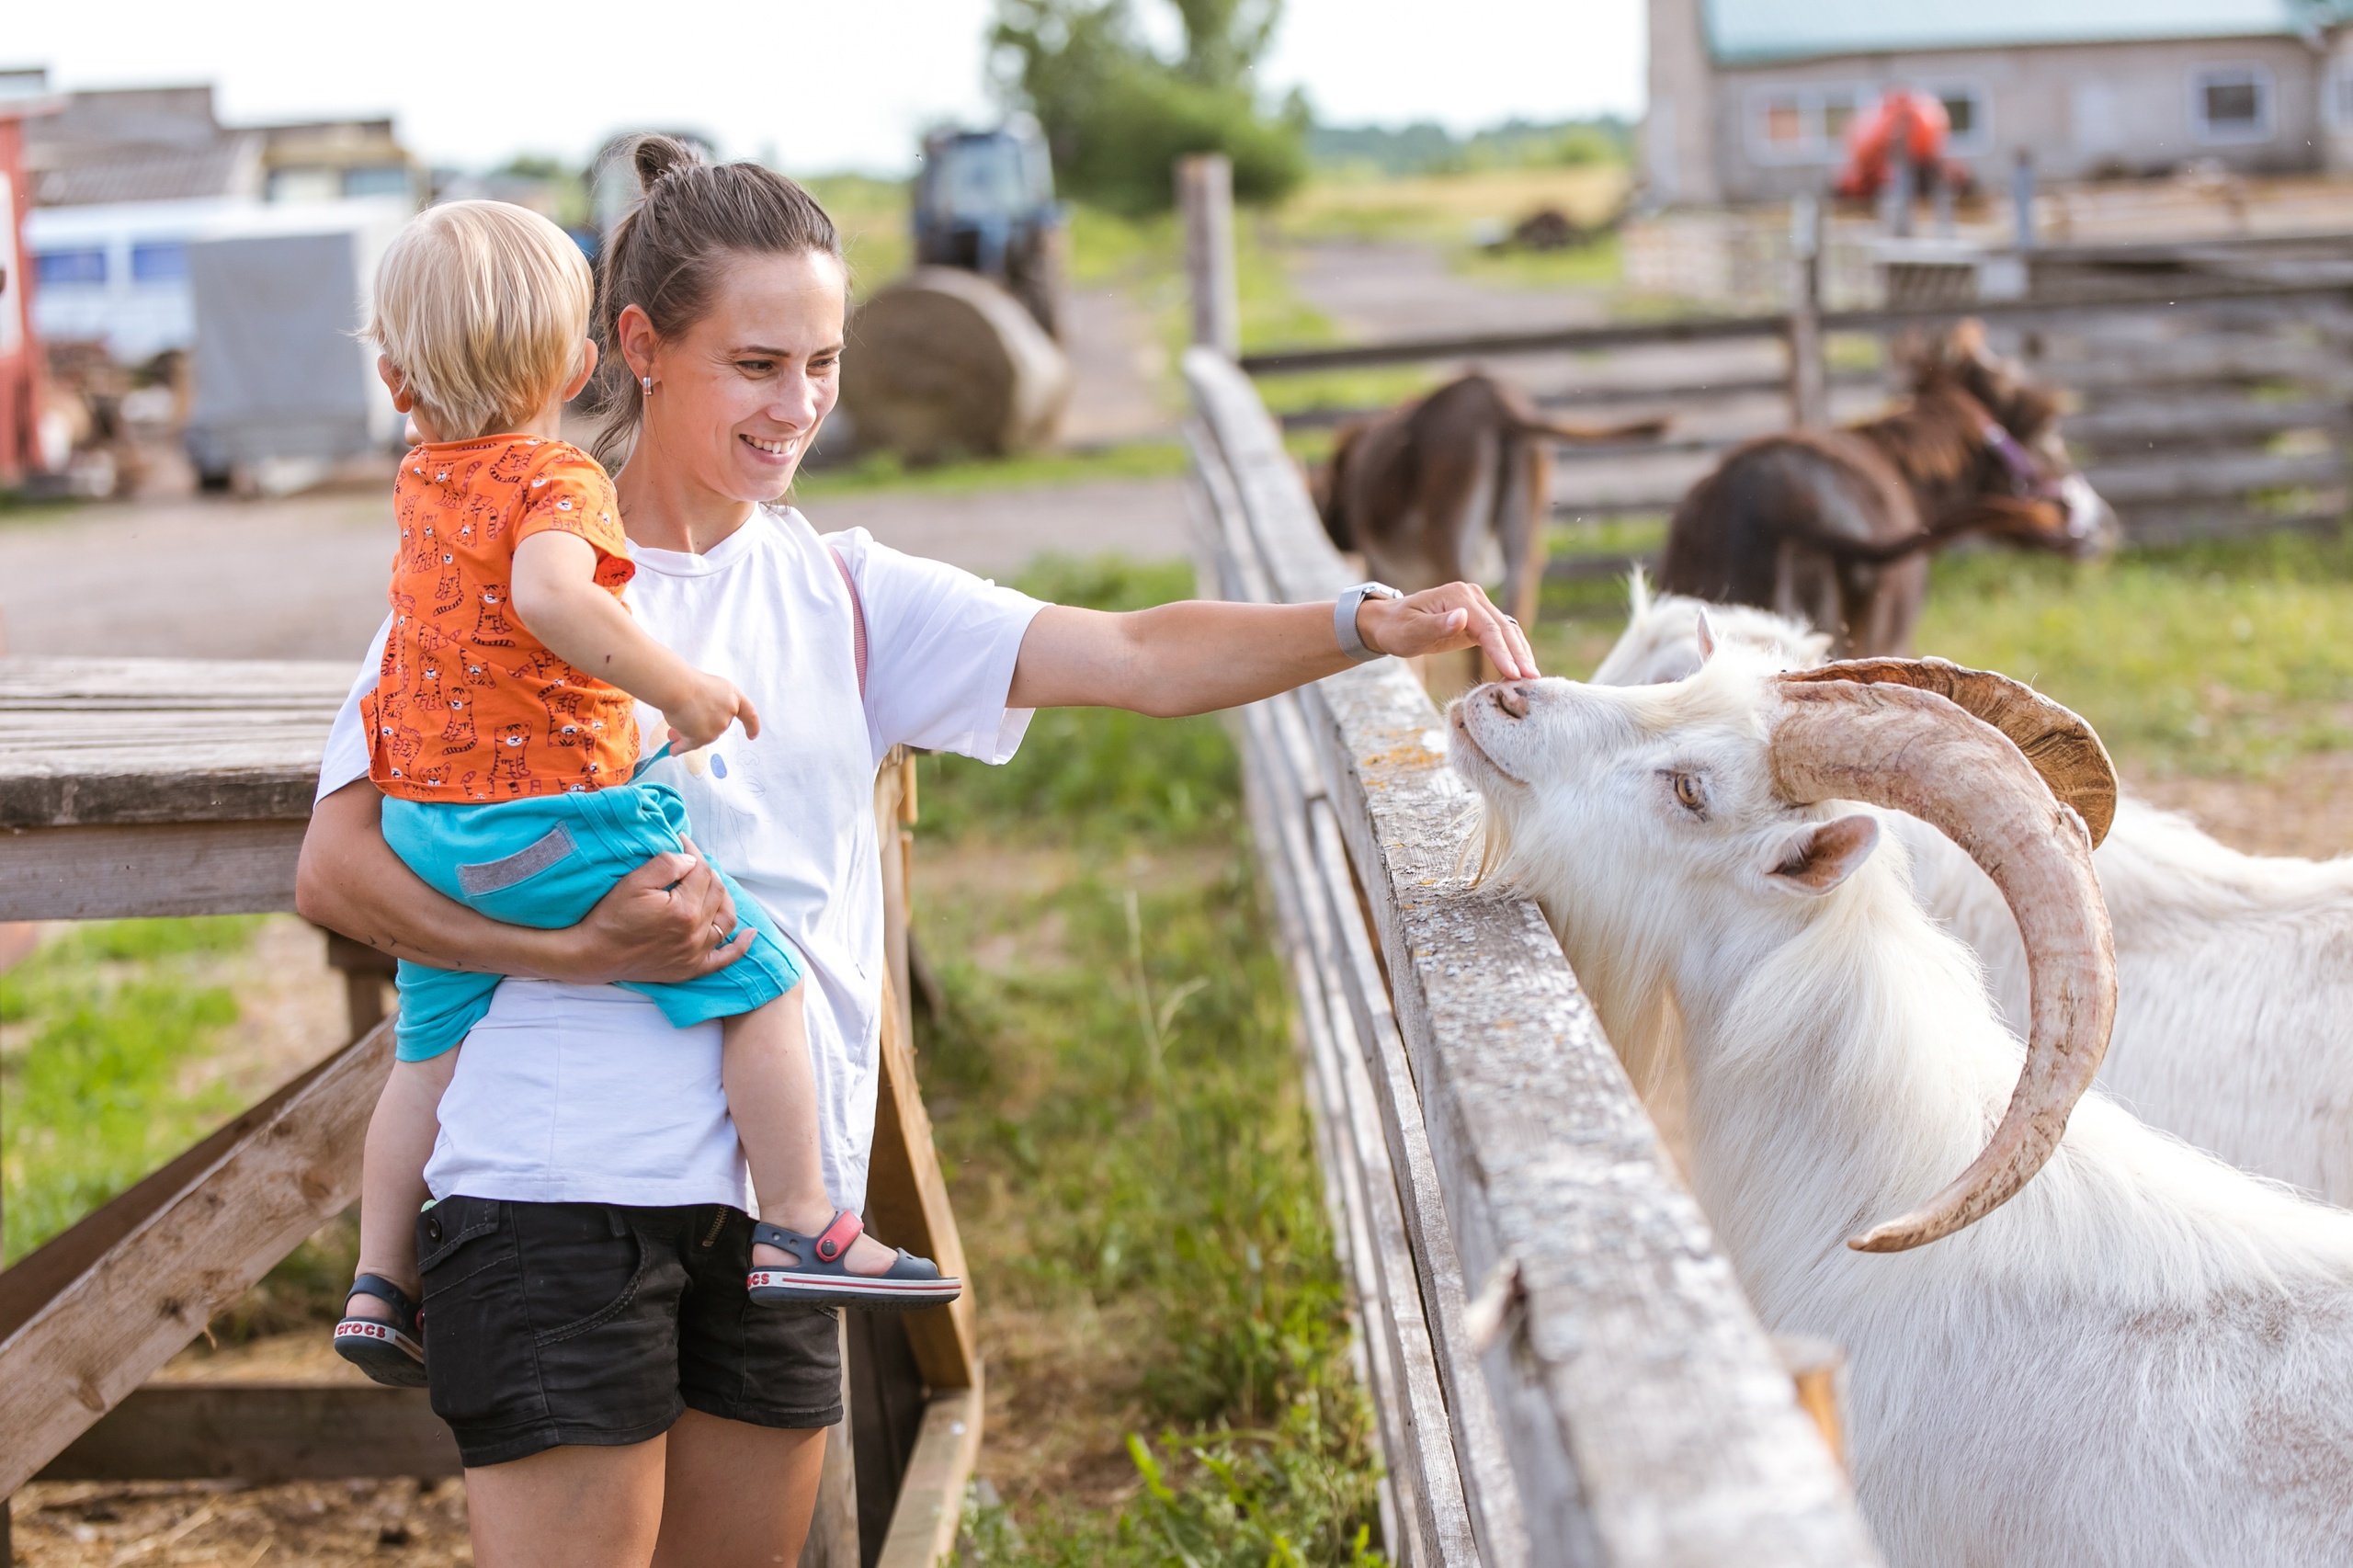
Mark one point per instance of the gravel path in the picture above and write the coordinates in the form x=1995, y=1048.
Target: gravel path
x=303, y=577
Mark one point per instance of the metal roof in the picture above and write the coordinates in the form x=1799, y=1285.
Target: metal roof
x=1747, y=32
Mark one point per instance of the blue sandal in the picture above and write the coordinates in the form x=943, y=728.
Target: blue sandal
x=819, y=1278
x=392, y=1353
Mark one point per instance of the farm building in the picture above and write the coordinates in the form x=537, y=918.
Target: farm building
x=1749, y=98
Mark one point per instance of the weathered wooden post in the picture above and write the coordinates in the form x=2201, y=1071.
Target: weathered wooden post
x=1205, y=202
x=1809, y=378
x=2022, y=199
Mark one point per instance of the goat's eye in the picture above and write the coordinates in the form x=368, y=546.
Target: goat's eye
x=1687, y=794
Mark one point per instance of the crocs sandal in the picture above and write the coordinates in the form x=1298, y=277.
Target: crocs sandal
x=392, y=1353
x=820, y=1279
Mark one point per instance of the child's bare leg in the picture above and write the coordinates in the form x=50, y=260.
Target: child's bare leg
x=772, y=1095
x=391, y=1176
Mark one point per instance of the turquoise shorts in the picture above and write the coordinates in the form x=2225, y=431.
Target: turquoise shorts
x=545, y=862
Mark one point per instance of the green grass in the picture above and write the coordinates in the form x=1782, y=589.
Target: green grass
x=873, y=218
x=2228, y=657
x=1120, y=1112
x=96, y=1033
x=879, y=472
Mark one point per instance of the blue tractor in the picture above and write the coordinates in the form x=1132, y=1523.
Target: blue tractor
x=985, y=202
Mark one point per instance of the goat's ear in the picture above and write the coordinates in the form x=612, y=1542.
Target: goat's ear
x=1704, y=632
x=1827, y=854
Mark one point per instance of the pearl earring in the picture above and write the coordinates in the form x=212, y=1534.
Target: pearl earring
x=647, y=382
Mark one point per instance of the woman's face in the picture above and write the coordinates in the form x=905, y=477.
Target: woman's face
x=738, y=396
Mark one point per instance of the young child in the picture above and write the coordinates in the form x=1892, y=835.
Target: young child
x=508, y=773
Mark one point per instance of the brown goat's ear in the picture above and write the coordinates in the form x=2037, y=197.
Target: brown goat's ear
x=1828, y=854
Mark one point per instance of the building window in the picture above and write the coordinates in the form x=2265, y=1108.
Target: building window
x=1803, y=125
x=2337, y=97
x=56, y=268
x=159, y=261
x=377, y=179
x=1966, y=108
x=2231, y=103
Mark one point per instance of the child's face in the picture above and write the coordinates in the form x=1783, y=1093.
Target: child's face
x=738, y=397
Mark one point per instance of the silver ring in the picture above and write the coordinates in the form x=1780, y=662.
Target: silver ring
x=1513, y=618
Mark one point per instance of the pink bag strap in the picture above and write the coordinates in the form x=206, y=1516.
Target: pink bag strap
x=857, y=617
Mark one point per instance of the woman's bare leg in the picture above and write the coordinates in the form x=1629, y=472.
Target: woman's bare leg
x=391, y=1175
x=772, y=1097
x=740, y=1496
x=572, y=1508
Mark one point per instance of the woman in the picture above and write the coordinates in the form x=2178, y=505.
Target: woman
x=615, y=1397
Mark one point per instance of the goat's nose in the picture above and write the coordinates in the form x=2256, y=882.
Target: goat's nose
x=1512, y=698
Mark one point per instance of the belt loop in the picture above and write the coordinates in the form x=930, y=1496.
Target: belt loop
x=614, y=1222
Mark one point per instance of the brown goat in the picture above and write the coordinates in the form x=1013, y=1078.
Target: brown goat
x=1836, y=527
x=1434, y=491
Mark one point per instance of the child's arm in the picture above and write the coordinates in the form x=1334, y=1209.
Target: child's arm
x=556, y=595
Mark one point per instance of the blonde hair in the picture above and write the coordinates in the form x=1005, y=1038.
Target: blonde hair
x=483, y=306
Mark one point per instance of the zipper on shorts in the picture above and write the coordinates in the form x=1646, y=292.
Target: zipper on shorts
x=718, y=1224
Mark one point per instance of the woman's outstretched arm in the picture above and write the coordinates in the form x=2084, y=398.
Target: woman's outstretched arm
x=656, y=925
x=1204, y=654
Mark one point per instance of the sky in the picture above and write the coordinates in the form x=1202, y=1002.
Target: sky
x=846, y=84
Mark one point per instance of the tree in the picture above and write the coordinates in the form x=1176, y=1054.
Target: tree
x=1117, y=115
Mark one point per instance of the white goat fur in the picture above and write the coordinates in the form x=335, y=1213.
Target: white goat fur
x=2145, y=1358
x=2234, y=972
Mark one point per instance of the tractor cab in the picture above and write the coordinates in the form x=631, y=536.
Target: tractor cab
x=984, y=203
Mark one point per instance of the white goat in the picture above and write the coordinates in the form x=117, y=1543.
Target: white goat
x=2145, y=1359
x=2234, y=972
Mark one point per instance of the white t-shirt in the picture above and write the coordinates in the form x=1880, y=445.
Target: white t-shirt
x=585, y=1093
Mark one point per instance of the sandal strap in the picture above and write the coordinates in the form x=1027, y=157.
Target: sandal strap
x=836, y=1238
x=383, y=1289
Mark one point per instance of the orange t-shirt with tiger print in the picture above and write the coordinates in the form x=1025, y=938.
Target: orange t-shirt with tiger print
x=469, y=706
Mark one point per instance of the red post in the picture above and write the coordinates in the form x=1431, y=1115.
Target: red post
x=20, y=360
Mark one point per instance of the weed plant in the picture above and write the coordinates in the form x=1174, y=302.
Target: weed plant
x=1121, y=1116
x=96, y=1031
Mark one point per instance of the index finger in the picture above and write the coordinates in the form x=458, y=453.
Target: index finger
x=749, y=715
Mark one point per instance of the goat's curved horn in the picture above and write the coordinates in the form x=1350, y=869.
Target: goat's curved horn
x=2062, y=747
x=1917, y=752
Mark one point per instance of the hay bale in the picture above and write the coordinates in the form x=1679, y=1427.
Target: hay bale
x=944, y=362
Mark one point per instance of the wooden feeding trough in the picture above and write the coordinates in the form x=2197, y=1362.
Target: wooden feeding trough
x=153, y=787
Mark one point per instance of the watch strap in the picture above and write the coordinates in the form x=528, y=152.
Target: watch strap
x=1344, y=618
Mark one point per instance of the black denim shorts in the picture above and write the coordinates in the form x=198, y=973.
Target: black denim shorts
x=551, y=1323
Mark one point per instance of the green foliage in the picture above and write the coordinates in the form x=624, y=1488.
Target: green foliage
x=2225, y=657
x=1093, y=775
x=96, y=1031
x=887, y=470
x=1428, y=148
x=1120, y=1109
x=1117, y=115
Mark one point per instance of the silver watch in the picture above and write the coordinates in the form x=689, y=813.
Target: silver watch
x=1344, y=618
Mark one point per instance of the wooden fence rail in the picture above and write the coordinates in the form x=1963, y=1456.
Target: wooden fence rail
x=1565, y=1370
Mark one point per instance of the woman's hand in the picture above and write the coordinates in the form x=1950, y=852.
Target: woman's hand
x=1439, y=620
x=662, y=922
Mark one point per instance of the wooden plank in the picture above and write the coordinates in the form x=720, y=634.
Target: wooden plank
x=1717, y=329
x=86, y=1348
x=2212, y=476
x=117, y=872
x=261, y=1433
x=1362, y=1167
x=1647, y=1421
x=111, y=741
x=931, y=1498
x=907, y=1195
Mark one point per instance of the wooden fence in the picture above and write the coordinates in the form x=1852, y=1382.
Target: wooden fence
x=2210, y=387
x=152, y=787
x=1563, y=1369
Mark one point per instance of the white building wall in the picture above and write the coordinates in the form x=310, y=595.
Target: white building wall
x=1679, y=131
x=2082, y=111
